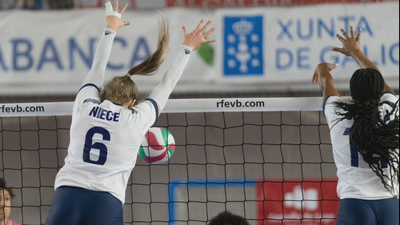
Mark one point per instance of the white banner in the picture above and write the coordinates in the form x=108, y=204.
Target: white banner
x=284, y=45
x=50, y=52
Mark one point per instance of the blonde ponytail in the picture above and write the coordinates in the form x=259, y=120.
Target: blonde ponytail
x=121, y=90
x=151, y=65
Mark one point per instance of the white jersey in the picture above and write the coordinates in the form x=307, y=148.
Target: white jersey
x=105, y=137
x=104, y=143
x=356, y=178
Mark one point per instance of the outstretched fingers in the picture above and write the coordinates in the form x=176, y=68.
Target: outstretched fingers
x=340, y=38
x=341, y=50
x=336, y=49
x=359, y=35
x=184, y=31
x=351, y=32
x=205, y=27
x=199, y=26
x=344, y=34
x=116, y=5
x=123, y=9
x=207, y=34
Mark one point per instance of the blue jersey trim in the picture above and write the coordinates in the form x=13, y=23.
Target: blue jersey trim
x=116, y=104
x=89, y=85
x=95, y=101
x=155, y=107
x=324, y=105
x=391, y=104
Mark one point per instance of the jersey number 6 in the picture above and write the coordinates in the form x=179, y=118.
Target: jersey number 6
x=89, y=145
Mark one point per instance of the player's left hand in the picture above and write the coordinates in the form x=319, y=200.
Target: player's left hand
x=322, y=69
x=351, y=44
x=198, y=36
x=113, y=16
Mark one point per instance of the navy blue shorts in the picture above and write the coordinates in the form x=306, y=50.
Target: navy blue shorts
x=368, y=212
x=79, y=206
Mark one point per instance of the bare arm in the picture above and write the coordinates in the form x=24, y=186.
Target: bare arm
x=323, y=77
x=351, y=47
x=113, y=18
x=191, y=42
x=364, y=62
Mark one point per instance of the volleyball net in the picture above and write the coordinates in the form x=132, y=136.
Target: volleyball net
x=266, y=159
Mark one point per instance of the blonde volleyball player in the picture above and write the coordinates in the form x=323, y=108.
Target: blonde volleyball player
x=108, y=127
x=365, y=140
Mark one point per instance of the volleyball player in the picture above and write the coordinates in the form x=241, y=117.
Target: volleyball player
x=6, y=195
x=108, y=127
x=364, y=132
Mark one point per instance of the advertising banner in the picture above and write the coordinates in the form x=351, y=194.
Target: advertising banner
x=257, y=49
x=51, y=52
x=286, y=44
x=313, y=203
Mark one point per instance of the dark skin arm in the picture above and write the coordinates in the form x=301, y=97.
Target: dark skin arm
x=351, y=47
x=323, y=77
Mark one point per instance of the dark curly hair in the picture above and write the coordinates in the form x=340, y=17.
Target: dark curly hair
x=227, y=218
x=371, y=133
x=4, y=187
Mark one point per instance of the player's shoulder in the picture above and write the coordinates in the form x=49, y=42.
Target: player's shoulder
x=145, y=106
x=87, y=94
x=389, y=99
x=146, y=112
x=330, y=107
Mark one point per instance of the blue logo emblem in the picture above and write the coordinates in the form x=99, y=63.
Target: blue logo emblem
x=243, y=46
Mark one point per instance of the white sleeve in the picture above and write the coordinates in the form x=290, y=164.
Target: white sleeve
x=390, y=101
x=147, y=114
x=389, y=97
x=88, y=93
x=162, y=92
x=97, y=72
x=95, y=78
x=330, y=109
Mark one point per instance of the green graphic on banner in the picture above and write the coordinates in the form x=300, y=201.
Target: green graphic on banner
x=206, y=52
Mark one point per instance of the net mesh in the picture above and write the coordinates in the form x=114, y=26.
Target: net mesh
x=271, y=167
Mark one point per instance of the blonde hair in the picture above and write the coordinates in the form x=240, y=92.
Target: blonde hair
x=121, y=90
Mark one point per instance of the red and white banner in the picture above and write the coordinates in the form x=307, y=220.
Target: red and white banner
x=297, y=202
x=159, y=4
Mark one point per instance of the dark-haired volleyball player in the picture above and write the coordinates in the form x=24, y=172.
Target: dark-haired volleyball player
x=365, y=139
x=228, y=218
x=107, y=128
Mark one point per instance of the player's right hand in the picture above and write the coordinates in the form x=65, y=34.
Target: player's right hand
x=351, y=45
x=113, y=16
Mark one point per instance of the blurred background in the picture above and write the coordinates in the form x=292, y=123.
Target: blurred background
x=264, y=47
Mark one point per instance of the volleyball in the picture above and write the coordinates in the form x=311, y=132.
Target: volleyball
x=158, y=146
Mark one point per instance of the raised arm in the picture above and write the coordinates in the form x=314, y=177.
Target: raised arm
x=351, y=47
x=191, y=42
x=113, y=19
x=323, y=77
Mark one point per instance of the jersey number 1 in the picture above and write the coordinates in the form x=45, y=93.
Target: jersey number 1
x=370, y=158
x=89, y=145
